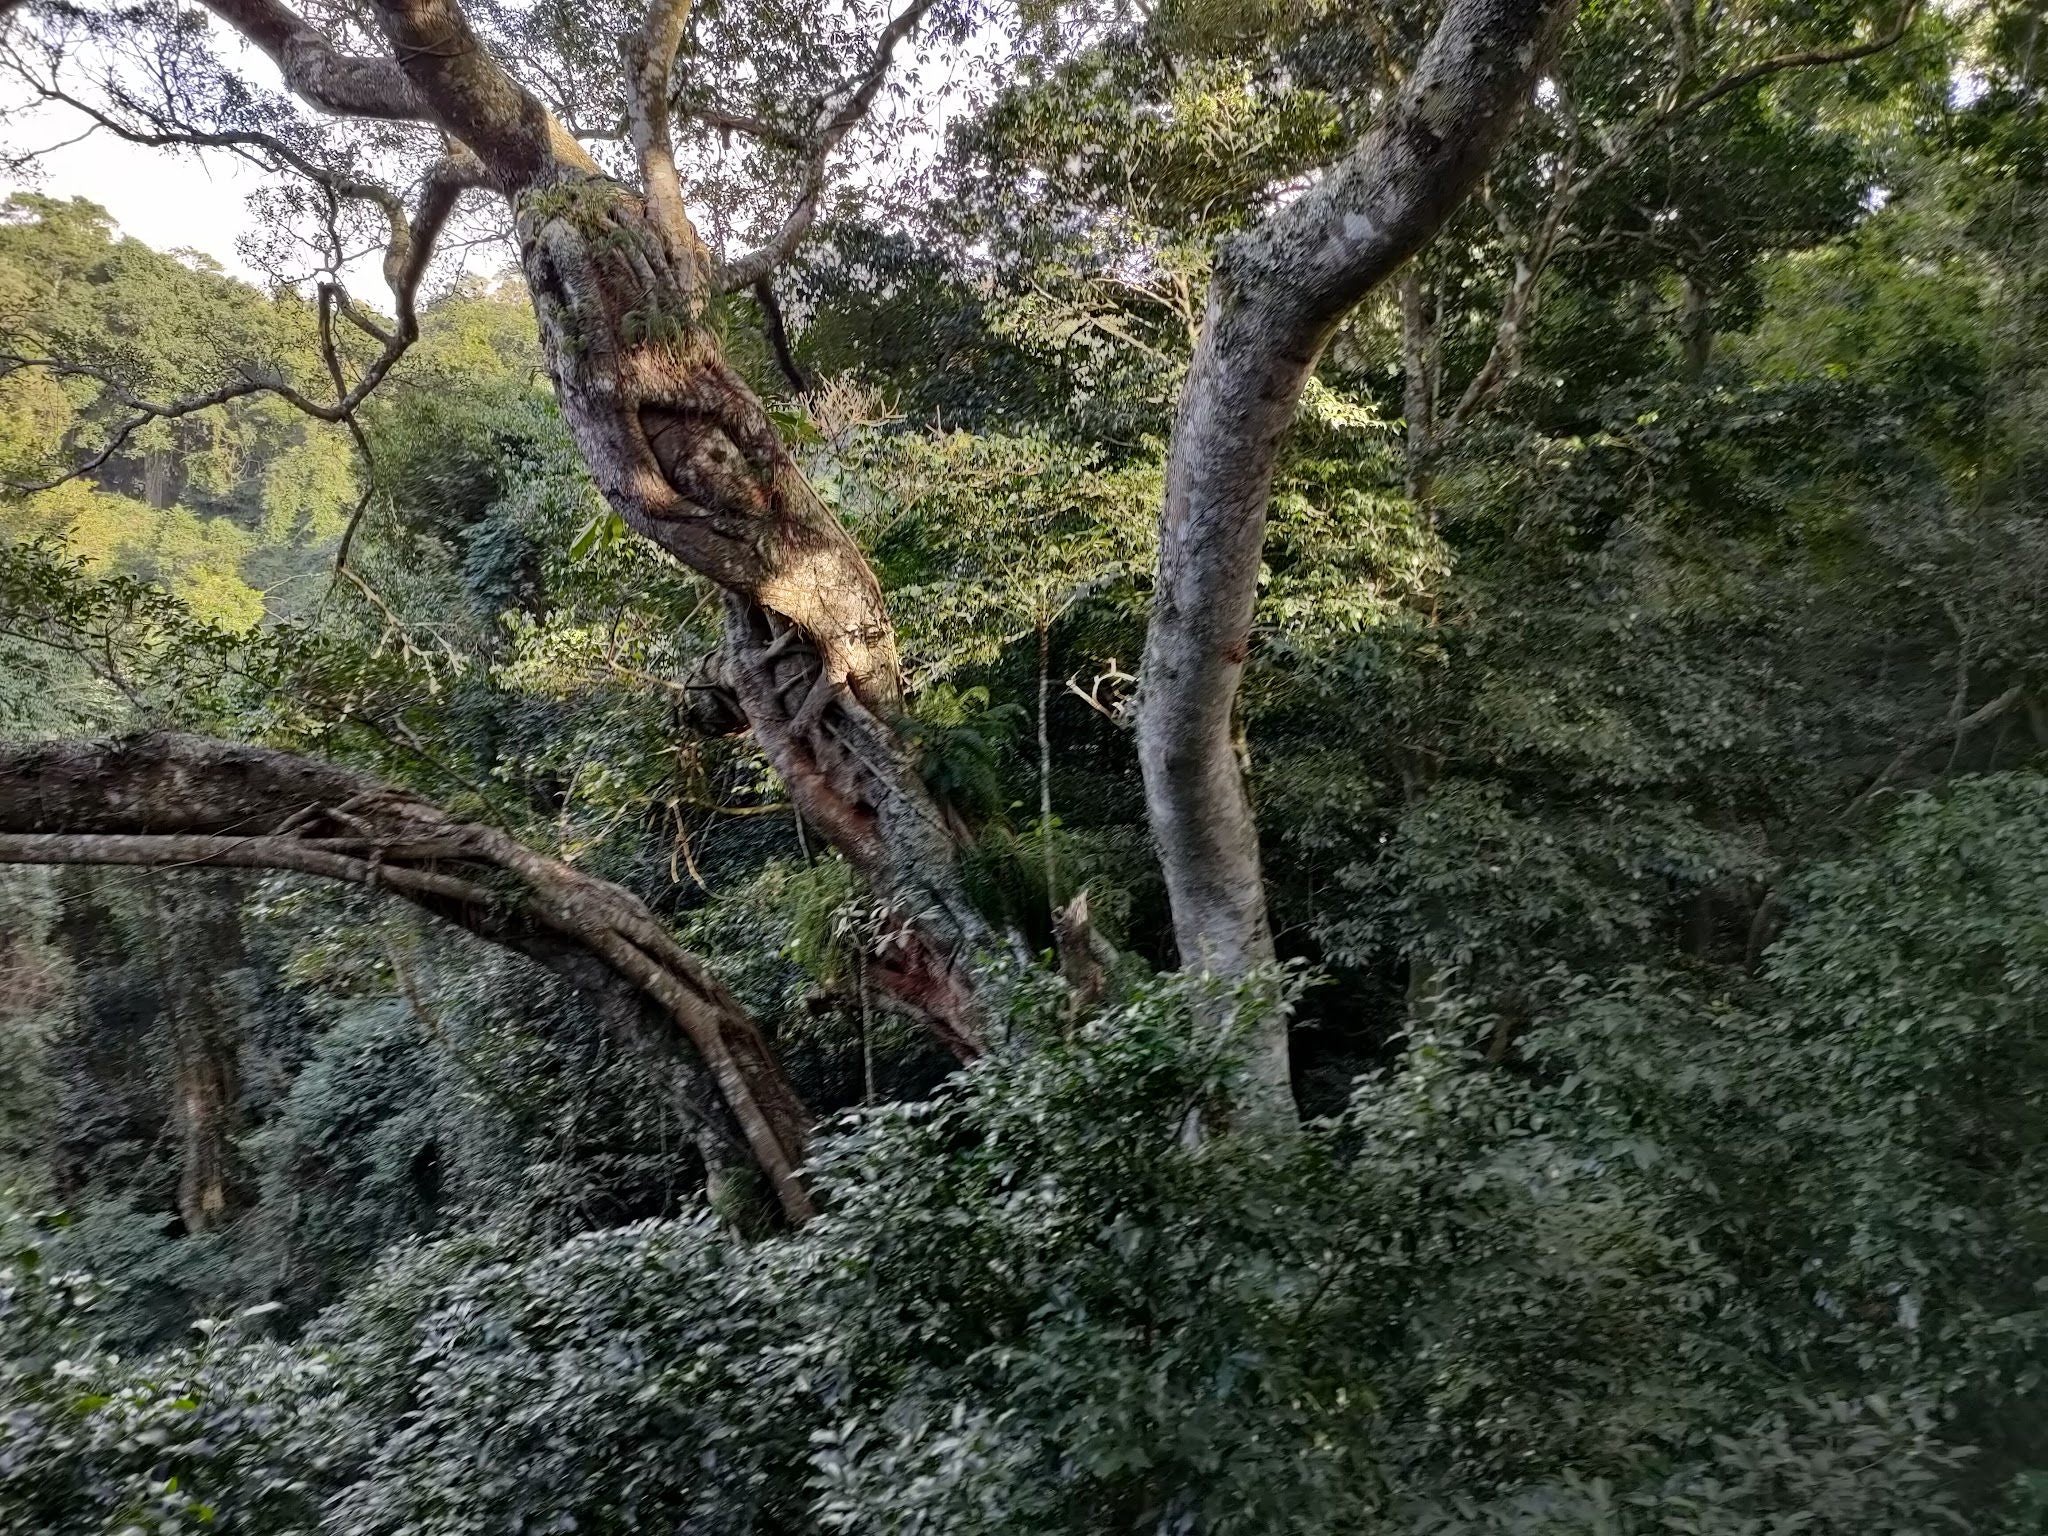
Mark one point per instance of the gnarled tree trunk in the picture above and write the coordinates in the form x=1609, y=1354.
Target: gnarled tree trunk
x=687, y=455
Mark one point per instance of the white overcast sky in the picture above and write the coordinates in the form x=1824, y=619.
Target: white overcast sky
x=170, y=201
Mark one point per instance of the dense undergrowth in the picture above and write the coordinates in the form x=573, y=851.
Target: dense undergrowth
x=1687, y=1261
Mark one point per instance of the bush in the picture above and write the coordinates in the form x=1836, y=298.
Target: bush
x=1686, y=1263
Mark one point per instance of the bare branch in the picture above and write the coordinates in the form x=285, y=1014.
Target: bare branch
x=721, y=121
x=162, y=135
x=357, y=86
x=1503, y=358
x=1781, y=63
x=332, y=355
x=780, y=246
x=165, y=801
x=841, y=110
x=1959, y=730
x=144, y=411
x=406, y=257
x=412, y=245
x=837, y=116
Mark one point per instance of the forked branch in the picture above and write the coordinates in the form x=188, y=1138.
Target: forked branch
x=840, y=112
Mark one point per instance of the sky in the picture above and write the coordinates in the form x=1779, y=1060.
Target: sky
x=175, y=199
x=170, y=201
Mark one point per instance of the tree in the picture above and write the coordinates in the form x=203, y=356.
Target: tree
x=1275, y=299
x=1690, y=1175
x=687, y=455
x=682, y=448
x=624, y=288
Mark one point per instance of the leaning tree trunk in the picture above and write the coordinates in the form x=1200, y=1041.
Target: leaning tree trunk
x=166, y=800
x=687, y=455
x=1277, y=294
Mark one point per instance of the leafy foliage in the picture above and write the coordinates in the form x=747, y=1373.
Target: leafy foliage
x=1647, y=757
x=1707, y=1262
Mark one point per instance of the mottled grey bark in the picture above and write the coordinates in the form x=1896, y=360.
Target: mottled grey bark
x=1276, y=295
x=344, y=84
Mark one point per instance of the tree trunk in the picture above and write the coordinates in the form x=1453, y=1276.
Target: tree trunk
x=1418, y=388
x=688, y=456
x=1248, y=373
x=198, y=944
x=1276, y=295
x=1695, y=329
x=156, y=477
x=1052, y=871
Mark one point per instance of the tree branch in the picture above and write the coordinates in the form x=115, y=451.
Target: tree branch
x=1958, y=731
x=166, y=801
x=650, y=56
x=837, y=116
x=474, y=97
x=778, y=336
x=163, y=135
x=721, y=121
x=347, y=85
x=410, y=249
x=1781, y=63
x=1503, y=358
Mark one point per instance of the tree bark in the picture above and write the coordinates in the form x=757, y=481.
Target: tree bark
x=679, y=445
x=1695, y=328
x=156, y=478
x=172, y=800
x=1418, y=388
x=1276, y=295
x=687, y=455
x=777, y=331
x=198, y=944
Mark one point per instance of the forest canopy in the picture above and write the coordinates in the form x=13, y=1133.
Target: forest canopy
x=1205, y=767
